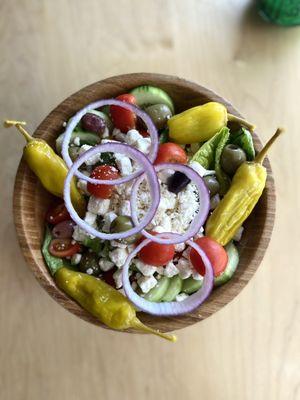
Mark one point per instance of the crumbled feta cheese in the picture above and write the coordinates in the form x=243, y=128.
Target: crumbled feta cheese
x=89, y=271
x=118, y=256
x=166, y=223
x=186, y=253
x=90, y=218
x=92, y=160
x=82, y=185
x=80, y=235
x=160, y=271
x=238, y=234
x=143, y=145
x=214, y=201
x=184, y=268
x=107, y=220
x=105, y=265
x=201, y=170
x=64, y=124
x=179, y=248
x=197, y=276
x=181, y=296
x=125, y=208
x=76, y=258
x=103, y=141
x=98, y=206
x=170, y=270
x=123, y=164
x=76, y=141
x=118, y=278
x=146, y=283
x=145, y=269
x=159, y=229
x=116, y=243
x=117, y=134
x=105, y=134
x=132, y=137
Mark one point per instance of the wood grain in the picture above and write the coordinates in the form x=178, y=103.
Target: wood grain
x=31, y=201
x=250, y=348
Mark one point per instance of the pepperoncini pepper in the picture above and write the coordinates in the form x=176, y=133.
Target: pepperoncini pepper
x=200, y=123
x=102, y=301
x=48, y=166
x=246, y=188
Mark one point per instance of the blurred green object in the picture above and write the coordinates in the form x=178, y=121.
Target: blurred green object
x=282, y=12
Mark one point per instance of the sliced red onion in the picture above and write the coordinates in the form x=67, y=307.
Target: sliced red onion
x=200, y=217
x=137, y=156
x=169, y=308
x=77, y=117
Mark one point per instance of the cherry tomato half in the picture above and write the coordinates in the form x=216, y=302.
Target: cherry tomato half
x=156, y=254
x=57, y=214
x=105, y=172
x=63, y=247
x=215, y=252
x=123, y=119
x=171, y=153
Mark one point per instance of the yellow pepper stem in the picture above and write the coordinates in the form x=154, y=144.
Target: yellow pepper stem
x=19, y=126
x=137, y=324
x=241, y=121
x=262, y=154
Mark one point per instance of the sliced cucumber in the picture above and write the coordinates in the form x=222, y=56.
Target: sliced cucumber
x=149, y=95
x=191, y=285
x=85, y=138
x=95, y=244
x=233, y=260
x=158, y=292
x=174, y=289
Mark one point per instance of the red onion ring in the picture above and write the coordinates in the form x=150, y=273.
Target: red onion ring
x=77, y=117
x=200, y=217
x=137, y=156
x=169, y=308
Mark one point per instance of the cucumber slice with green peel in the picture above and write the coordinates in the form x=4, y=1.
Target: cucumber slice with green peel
x=191, y=285
x=233, y=261
x=158, y=292
x=149, y=95
x=104, y=116
x=174, y=289
x=85, y=138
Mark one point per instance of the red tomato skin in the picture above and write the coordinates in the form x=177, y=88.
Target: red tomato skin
x=68, y=250
x=123, y=119
x=106, y=172
x=57, y=213
x=155, y=253
x=215, y=252
x=171, y=153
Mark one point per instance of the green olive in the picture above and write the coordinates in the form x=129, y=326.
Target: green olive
x=232, y=157
x=212, y=184
x=89, y=264
x=122, y=224
x=159, y=113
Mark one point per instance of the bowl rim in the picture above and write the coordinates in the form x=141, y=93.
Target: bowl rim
x=43, y=276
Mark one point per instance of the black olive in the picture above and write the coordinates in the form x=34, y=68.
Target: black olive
x=177, y=182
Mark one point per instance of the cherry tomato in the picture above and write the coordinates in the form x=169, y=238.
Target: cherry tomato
x=123, y=119
x=215, y=252
x=156, y=254
x=63, y=247
x=105, y=172
x=57, y=214
x=171, y=153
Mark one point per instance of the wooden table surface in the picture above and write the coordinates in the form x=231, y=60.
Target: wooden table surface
x=248, y=350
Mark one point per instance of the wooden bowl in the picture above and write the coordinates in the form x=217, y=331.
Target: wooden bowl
x=31, y=200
